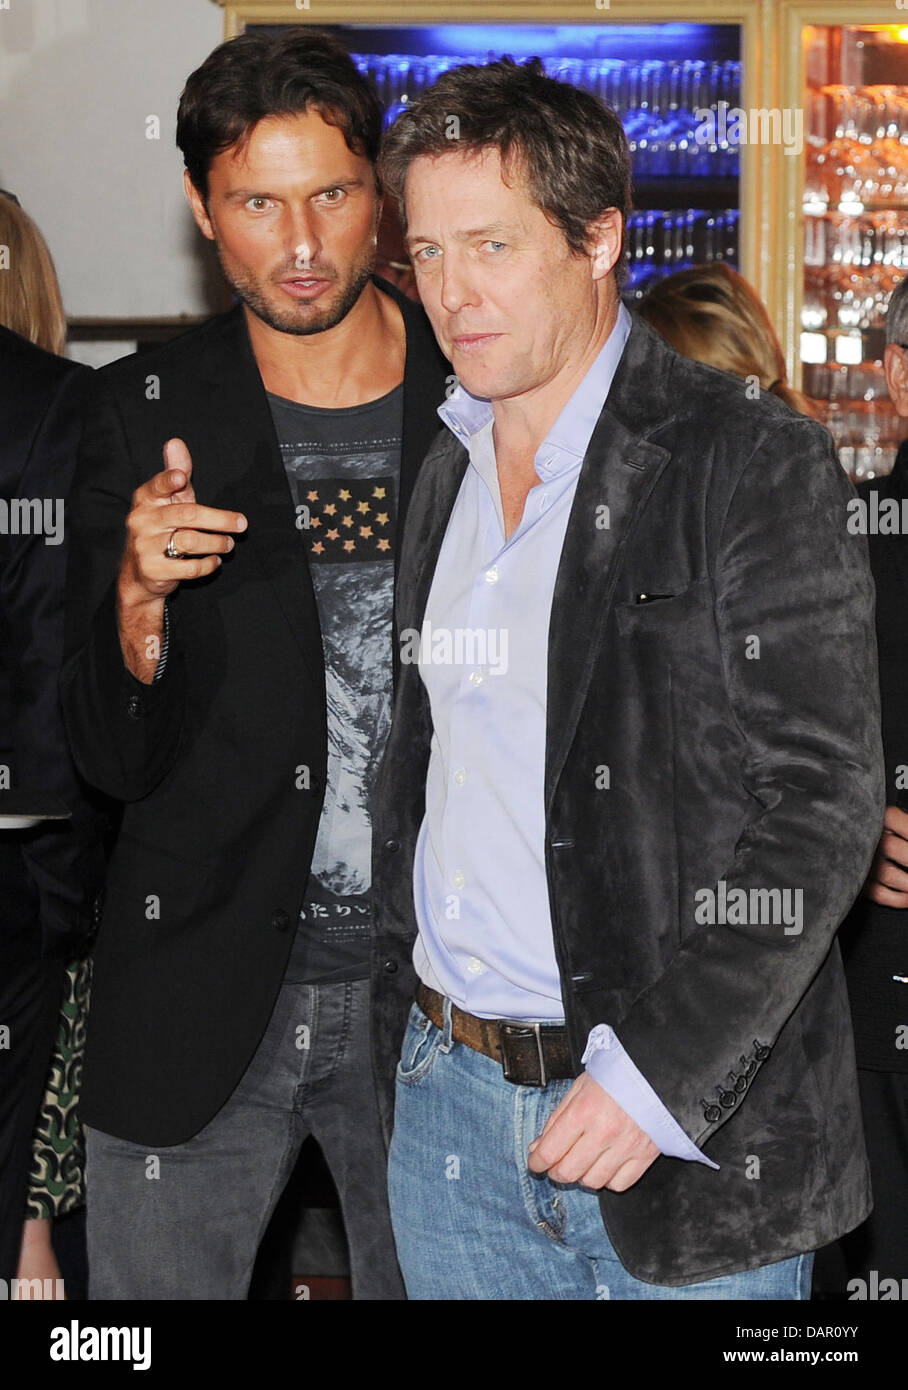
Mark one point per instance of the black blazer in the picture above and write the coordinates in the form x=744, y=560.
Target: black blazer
x=763, y=770
x=48, y=876
x=210, y=868
x=875, y=938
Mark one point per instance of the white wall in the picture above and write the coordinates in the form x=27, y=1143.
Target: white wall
x=77, y=80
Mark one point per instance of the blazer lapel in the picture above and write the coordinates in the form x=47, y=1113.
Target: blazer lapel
x=619, y=471
x=424, y=385
x=427, y=521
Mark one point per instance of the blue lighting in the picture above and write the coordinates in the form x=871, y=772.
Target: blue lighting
x=629, y=41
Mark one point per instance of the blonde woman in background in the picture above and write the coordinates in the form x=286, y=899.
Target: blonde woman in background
x=711, y=313
x=48, y=875
x=30, y=300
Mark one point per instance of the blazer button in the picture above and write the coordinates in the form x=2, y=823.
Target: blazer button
x=761, y=1052
x=280, y=919
x=740, y=1084
x=134, y=707
x=392, y=846
x=727, y=1099
x=390, y=966
x=712, y=1113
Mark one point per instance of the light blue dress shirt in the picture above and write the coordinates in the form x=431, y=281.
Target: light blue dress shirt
x=481, y=893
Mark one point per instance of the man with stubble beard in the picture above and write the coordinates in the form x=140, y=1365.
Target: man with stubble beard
x=229, y=681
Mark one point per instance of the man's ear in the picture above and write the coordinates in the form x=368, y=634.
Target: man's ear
x=604, y=238
x=895, y=362
x=197, y=207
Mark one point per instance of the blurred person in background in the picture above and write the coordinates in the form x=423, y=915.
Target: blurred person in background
x=48, y=873
x=712, y=314
x=874, y=936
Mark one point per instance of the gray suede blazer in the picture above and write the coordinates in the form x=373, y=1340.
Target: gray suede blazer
x=736, y=709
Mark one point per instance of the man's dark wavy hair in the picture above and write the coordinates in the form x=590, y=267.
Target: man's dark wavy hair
x=570, y=148
x=258, y=75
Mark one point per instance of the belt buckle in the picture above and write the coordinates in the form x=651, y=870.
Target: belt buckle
x=506, y=1024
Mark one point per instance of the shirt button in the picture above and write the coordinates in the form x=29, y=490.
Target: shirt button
x=458, y=879
x=492, y=575
x=474, y=966
x=476, y=678
x=460, y=776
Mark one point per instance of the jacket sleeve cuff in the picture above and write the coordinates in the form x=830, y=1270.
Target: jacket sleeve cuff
x=165, y=646
x=610, y=1066
x=124, y=733
x=135, y=698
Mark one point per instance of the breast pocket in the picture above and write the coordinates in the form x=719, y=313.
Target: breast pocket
x=656, y=610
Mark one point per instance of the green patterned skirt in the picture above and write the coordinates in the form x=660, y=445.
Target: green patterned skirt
x=57, y=1178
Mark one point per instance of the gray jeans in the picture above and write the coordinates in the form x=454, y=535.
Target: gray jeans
x=188, y=1226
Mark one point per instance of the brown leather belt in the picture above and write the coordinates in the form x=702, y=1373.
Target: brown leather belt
x=530, y=1054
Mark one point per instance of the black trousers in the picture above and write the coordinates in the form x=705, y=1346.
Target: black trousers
x=30, y=992
x=881, y=1243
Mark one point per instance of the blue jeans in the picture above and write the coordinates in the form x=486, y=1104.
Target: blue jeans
x=470, y=1219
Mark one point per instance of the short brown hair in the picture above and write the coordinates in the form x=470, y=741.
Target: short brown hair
x=571, y=148
x=275, y=74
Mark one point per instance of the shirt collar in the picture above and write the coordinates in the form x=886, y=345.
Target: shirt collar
x=466, y=416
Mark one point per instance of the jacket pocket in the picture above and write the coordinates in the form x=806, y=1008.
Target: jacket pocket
x=656, y=610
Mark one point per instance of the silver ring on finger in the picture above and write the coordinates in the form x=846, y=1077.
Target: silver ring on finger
x=170, y=549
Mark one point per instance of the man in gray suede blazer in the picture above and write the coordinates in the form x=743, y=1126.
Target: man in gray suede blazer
x=709, y=780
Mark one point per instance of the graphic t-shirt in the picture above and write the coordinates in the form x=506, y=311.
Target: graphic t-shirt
x=343, y=467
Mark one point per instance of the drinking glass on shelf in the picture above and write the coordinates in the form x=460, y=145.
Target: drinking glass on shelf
x=896, y=140
x=729, y=227
x=673, y=135
x=815, y=308
x=730, y=92
x=834, y=164
x=614, y=87
x=606, y=83
x=695, y=159
x=638, y=119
